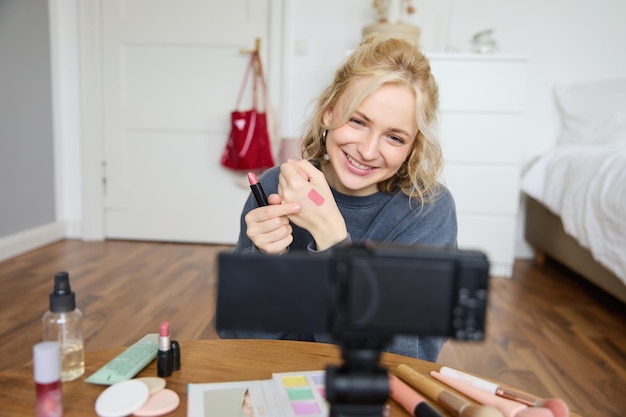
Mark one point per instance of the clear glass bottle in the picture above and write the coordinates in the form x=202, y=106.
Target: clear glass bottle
x=64, y=323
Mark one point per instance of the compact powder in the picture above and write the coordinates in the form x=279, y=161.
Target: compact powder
x=158, y=404
x=154, y=383
x=122, y=399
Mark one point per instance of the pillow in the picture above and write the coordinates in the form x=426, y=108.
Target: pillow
x=592, y=112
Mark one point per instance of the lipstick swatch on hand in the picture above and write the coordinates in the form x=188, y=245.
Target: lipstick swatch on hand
x=316, y=197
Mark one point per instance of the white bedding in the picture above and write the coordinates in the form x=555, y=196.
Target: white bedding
x=585, y=185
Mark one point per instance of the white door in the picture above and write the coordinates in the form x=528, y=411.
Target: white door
x=171, y=73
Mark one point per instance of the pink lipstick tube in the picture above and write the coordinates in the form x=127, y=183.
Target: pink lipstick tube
x=164, y=354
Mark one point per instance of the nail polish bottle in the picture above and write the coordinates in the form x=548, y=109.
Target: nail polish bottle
x=47, y=376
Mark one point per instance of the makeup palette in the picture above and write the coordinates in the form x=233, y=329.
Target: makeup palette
x=291, y=394
x=303, y=393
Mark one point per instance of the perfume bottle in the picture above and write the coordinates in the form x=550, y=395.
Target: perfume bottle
x=63, y=323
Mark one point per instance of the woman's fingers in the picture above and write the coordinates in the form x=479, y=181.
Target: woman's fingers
x=268, y=227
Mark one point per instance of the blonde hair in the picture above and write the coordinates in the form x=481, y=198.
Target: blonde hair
x=390, y=61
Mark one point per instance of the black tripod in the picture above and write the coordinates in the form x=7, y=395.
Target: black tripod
x=360, y=386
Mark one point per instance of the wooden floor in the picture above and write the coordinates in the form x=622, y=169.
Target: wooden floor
x=549, y=332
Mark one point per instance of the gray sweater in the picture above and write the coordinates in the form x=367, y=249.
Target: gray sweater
x=380, y=218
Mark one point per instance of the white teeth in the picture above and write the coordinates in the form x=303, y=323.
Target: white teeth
x=357, y=164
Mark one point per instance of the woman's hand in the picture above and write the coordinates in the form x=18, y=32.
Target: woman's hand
x=301, y=182
x=268, y=227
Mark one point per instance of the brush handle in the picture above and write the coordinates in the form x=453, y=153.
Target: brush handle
x=453, y=402
x=504, y=392
x=418, y=381
x=507, y=407
x=469, y=379
x=409, y=399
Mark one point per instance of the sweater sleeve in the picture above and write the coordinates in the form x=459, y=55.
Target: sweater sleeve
x=434, y=225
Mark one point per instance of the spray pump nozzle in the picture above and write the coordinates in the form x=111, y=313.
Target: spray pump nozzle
x=62, y=298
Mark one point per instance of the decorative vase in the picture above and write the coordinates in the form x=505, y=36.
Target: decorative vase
x=394, y=30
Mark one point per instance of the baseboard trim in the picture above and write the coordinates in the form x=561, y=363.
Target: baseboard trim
x=28, y=240
x=523, y=250
x=73, y=230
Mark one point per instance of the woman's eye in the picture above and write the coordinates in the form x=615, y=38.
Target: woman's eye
x=356, y=121
x=397, y=139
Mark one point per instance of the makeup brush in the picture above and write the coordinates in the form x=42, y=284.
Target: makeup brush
x=410, y=400
x=508, y=407
x=452, y=402
x=558, y=407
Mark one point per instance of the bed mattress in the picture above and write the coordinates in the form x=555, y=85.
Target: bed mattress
x=585, y=185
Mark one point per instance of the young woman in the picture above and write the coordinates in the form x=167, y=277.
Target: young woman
x=369, y=173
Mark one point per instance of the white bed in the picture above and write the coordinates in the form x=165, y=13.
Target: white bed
x=582, y=183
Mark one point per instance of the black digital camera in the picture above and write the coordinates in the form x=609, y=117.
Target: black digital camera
x=360, y=290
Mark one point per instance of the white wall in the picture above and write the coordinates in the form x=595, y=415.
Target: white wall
x=564, y=40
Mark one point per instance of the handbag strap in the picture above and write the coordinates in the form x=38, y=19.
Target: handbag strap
x=258, y=78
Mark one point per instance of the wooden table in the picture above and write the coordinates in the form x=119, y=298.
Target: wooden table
x=202, y=361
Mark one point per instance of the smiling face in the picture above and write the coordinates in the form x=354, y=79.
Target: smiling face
x=377, y=138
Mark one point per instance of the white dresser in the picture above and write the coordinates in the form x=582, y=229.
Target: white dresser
x=482, y=101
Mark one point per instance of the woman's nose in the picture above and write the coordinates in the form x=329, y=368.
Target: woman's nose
x=369, y=147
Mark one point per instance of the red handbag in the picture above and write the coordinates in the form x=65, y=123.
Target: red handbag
x=248, y=146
